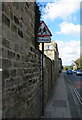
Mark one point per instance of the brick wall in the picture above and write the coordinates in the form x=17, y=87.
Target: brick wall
x=21, y=62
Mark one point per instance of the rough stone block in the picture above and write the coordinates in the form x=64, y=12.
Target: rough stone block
x=5, y=8
x=5, y=42
x=13, y=27
x=18, y=56
x=25, y=78
x=0, y=26
x=12, y=72
x=0, y=62
x=0, y=52
x=17, y=64
x=11, y=54
x=17, y=48
x=6, y=32
x=6, y=63
x=26, y=9
x=20, y=33
x=25, y=70
x=11, y=15
x=5, y=74
x=16, y=20
x=5, y=20
x=4, y=53
x=19, y=72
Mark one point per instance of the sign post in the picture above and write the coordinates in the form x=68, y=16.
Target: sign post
x=42, y=79
x=44, y=35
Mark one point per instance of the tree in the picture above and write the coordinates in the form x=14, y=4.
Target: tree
x=37, y=23
x=65, y=68
x=81, y=62
x=71, y=67
x=77, y=62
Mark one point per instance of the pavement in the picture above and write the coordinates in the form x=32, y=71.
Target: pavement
x=61, y=103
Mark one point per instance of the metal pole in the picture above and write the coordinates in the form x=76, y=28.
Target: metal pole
x=42, y=79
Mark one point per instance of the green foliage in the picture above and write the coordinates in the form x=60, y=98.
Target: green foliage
x=37, y=23
x=65, y=68
x=68, y=67
x=81, y=62
x=78, y=62
x=38, y=13
x=71, y=67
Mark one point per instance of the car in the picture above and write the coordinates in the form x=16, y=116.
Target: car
x=69, y=72
x=75, y=71
x=79, y=72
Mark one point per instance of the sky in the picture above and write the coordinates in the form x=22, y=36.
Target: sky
x=63, y=20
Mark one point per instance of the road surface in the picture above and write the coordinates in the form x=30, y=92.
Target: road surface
x=77, y=83
x=63, y=102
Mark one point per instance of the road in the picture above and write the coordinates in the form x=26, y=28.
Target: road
x=63, y=102
x=74, y=86
x=77, y=83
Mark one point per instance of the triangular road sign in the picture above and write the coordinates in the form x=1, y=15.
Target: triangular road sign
x=43, y=30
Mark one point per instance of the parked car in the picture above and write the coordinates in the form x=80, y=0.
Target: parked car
x=79, y=72
x=69, y=72
x=75, y=71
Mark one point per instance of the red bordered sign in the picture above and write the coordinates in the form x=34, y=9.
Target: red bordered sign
x=43, y=30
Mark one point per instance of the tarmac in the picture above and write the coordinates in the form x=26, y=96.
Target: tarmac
x=61, y=103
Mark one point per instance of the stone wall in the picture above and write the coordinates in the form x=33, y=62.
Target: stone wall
x=21, y=63
x=0, y=60
x=47, y=78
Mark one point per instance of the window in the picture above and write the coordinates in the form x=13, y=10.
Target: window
x=48, y=47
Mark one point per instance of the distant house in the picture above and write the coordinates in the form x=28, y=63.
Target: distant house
x=77, y=64
x=51, y=51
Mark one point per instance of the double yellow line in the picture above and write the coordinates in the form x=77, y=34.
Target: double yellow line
x=76, y=92
x=78, y=95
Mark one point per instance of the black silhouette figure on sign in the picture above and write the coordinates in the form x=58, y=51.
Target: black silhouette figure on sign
x=42, y=31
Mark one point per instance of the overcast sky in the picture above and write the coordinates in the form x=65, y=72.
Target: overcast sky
x=63, y=19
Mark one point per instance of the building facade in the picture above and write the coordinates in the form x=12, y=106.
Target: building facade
x=51, y=51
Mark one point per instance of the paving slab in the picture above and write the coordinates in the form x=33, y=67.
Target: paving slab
x=58, y=104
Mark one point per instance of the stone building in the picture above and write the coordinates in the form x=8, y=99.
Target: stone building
x=51, y=51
